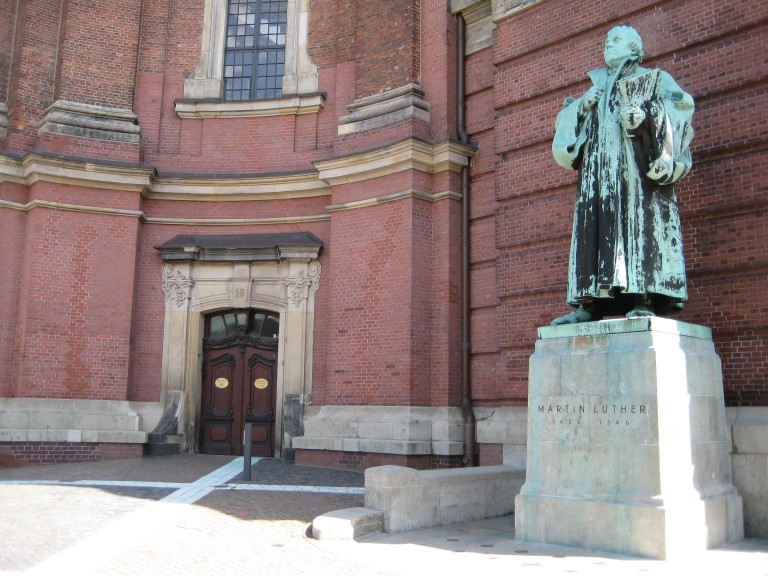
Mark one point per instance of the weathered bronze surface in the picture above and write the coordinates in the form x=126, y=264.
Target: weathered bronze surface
x=628, y=136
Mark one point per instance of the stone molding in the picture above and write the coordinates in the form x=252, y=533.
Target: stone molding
x=393, y=198
x=219, y=278
x=404, y=430
x=244, y=248
x=506, y=8
x=410, y=154
x=479, y=24
x=289, y=105
x=303, y=283
x=501, y=8
x=405, y=155
x=481, y=17
x=91, y=121
x=34, y=168
x=264, y=187
x=3, y=119
x=63, y=206
x=176, y=285
x=385, y=108
x=39, y=168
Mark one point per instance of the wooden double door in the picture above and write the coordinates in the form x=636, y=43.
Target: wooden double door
x=239, y=369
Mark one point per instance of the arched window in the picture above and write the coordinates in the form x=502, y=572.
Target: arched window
x=254, y=323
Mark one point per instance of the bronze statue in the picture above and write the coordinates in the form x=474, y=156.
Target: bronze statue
x=629, y=137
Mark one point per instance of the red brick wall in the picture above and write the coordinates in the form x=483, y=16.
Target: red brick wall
x=17, y=454
x=12, y=227
x=522, y=201
x=437, y=61
x=8, y=10
x=73, y=335
x=371, y=304
x=382, y=38
x=99, y=50
x=33, y=69
x=387, y=37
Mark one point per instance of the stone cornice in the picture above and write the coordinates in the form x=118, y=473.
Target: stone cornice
x=38, y=168
x=145, y=180
x=410, y=154
x=267, y=187
x=91, y=121
x=385, y=108
x=501, y=8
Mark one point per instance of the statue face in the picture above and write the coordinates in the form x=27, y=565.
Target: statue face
x=618, y=47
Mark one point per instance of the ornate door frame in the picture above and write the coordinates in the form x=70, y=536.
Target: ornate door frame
x=274, y=272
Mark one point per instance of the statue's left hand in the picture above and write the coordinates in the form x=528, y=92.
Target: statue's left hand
x=631, y=117
x=661, y=168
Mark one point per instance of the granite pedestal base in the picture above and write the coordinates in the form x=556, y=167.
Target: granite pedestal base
x=628, y=449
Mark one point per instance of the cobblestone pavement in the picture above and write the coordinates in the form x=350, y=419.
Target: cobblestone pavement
x=194, y=515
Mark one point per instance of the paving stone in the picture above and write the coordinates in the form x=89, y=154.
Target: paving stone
x=123, y=530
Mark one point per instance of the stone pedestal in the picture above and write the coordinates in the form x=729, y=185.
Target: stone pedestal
x=628, y=449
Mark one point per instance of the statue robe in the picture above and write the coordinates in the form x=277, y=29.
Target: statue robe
x=626, y=228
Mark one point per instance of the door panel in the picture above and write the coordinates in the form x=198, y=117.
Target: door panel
x=239, y=372
x=260, y=401
x=218, y=403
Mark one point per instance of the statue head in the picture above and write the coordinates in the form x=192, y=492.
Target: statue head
x=623, y=43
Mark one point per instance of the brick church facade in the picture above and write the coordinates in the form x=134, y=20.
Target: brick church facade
x=337, y=222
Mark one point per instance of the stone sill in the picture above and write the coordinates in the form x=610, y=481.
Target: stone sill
x=288, y=105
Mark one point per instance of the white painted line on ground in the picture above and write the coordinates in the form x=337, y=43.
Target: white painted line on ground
x=292, y=488
x=191, y=493
x=97, y=483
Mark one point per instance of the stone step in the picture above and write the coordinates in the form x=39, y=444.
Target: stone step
x=347, y=524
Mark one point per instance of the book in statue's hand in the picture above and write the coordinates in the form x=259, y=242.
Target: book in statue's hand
x=638, y=89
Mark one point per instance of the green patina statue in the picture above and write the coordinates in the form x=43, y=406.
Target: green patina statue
x=629, y=137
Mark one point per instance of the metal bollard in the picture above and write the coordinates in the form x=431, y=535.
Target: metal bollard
x=247, y=451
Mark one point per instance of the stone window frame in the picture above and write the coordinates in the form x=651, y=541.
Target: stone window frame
x=203, y=97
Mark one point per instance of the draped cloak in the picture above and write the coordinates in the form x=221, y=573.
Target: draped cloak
x=626, y=229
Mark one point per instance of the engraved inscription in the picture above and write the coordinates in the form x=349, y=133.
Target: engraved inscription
x=598, y=413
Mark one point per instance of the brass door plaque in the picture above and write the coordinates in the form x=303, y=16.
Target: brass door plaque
x=261, y=383
x=221, y=383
